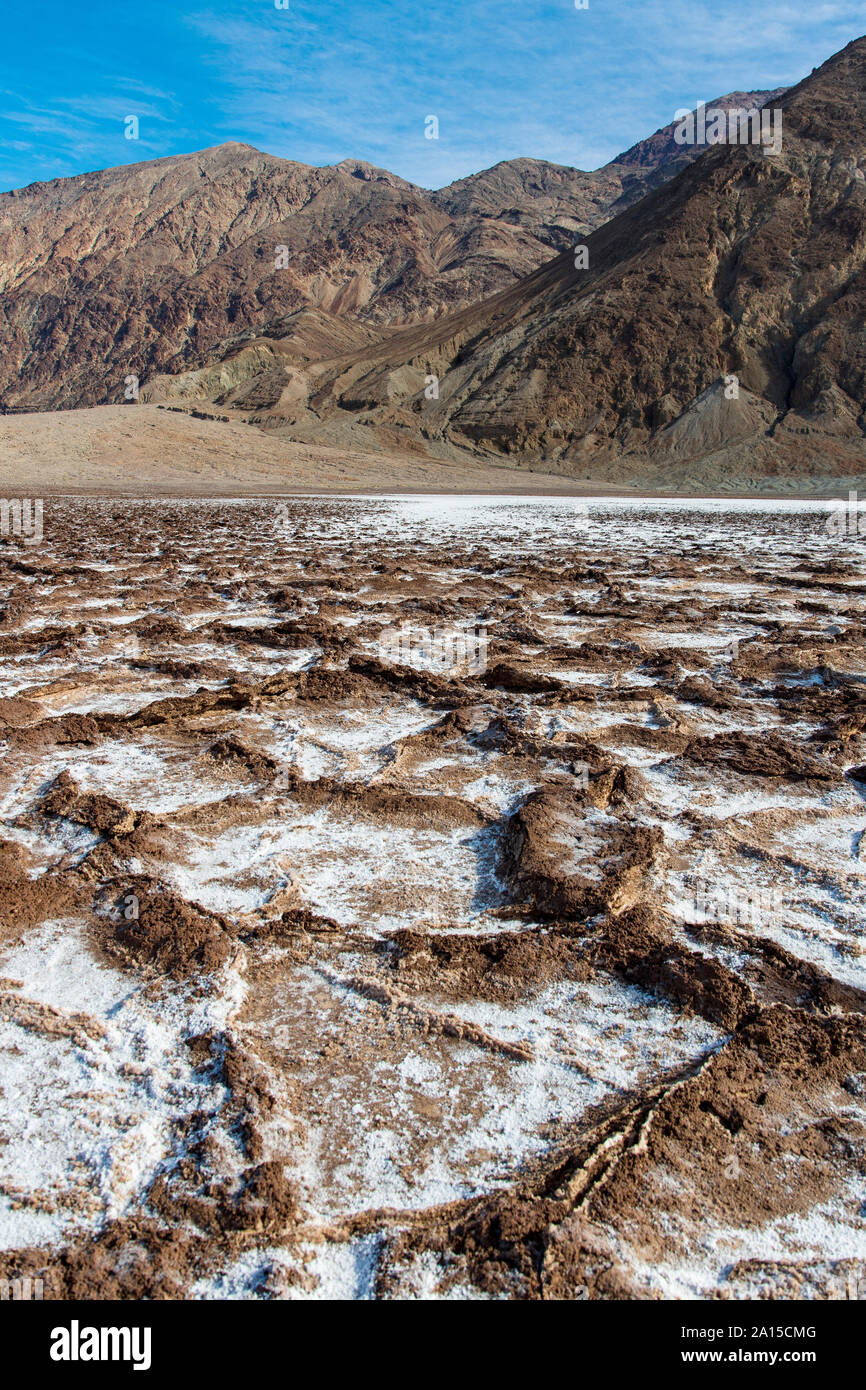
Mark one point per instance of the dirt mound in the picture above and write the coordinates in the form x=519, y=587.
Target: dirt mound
x=562, y=863
x=637, y=945
x=25, y=900
x=504, y=966
x=231, y=754
x=164, y=932
x=95, y=810
x=761, y=755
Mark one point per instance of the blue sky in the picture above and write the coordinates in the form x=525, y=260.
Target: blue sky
x=324, y=80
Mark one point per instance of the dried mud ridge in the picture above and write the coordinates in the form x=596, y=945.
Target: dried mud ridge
x=543, y=982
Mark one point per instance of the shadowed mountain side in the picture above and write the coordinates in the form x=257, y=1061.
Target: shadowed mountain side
x=746, y=264
x=165, y=265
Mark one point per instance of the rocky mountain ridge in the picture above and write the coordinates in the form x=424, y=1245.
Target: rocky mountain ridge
x=165, y=265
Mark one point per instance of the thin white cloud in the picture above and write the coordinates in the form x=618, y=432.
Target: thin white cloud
x=319, y=83
x=573, y=87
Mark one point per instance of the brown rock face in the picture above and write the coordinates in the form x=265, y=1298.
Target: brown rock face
x=161, y=266
x=748, y=265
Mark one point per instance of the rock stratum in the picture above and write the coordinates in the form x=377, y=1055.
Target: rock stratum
x=158, y=266
x=745, y=265
x=711, y=338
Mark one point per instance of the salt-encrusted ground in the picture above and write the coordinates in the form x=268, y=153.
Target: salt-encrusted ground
x=449, y=898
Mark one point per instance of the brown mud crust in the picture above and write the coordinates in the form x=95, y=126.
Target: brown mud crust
x=327, y=974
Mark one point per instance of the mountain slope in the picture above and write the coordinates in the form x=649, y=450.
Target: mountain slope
x=160, y=266
x=744, y=264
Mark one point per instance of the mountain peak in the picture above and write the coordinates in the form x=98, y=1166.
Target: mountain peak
x=259, y=283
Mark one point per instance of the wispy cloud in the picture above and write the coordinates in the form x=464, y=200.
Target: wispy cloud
x=321, y=83
x=574, y=87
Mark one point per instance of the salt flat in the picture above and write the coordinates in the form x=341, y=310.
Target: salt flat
x=326, y=972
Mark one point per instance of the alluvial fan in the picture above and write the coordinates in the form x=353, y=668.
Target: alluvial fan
x=433, y=897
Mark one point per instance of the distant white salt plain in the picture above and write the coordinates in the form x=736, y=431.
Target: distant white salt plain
x=100, y=1114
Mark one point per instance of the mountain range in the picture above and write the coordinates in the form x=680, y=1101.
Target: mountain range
x=713, y=324
x=163, y=265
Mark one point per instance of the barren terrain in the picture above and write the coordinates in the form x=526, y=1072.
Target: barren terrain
x=161, y=265
x=332, y=966
x=707, y=337
x=126, y=450
x=115, y=450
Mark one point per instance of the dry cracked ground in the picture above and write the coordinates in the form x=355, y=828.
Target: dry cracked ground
x=328, y=975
